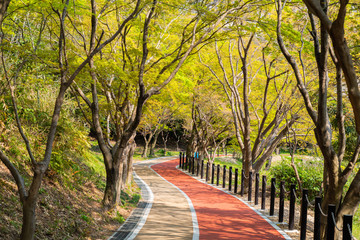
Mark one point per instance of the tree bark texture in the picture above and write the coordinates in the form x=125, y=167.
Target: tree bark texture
x=4, y=4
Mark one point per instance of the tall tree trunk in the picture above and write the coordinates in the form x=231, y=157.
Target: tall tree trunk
x=351, y=201
x=29, y=206
x=118, y=173
x=145, y=149
x=130, y=163
x=147, y=140
x=3, y=8
x=113, y=185
x=246, y=151
x=127, y=168
x=247, y=166
x=28, y=227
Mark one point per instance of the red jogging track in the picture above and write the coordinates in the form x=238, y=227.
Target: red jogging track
x=219, y=215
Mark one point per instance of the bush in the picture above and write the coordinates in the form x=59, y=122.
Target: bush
x=310, y=173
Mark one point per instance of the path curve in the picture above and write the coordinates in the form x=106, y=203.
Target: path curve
x=220, y=215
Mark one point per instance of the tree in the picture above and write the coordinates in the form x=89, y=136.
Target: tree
x=211, y=118
x=3, y=8
x=270, y=116
x=66, y=76
x=334, y=177
x=159, y=63
x=157, y=114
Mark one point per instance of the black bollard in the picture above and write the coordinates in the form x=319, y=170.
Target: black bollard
x=330, y=228
x=263, y=192
x=197, y=167
x=218, y=175
x=212, y=173
x=272, y=197
x=281, y=202
x=347, y=226
x=242, y=182
x=303, y=217
x=180, y=157
x=317, y=218
x=202, y=169
x=256, y=188
x=184, y=157
x=224, y=176
x=230, y=178
x=207, y=171
x=193, y=166
x=292, y=206
x=236, y=180
x=250, y=186
x=182, y=160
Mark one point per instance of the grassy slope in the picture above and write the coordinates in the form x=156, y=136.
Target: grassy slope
x=69, y=205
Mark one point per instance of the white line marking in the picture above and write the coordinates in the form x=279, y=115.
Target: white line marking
x=145, y=214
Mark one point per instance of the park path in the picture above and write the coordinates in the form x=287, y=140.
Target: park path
x=186, y=208
x=170, y=215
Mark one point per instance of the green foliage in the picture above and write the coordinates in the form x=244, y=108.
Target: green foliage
x=135, y=198
x=129, y=199
x=228, y=164
x=119, y=218
x=310, y=173
x=85, y=218
x=356, y=224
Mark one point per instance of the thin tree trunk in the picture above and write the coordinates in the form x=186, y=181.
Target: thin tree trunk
x=293, y=151
x=153, y=143
x=165, y=139
x=29, y=206
x=130, y=163
x=146, y=147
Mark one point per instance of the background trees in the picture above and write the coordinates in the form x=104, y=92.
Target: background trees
x=157, y=114
x=245, y=75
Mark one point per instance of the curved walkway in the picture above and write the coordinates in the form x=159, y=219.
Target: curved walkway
x=219, y=215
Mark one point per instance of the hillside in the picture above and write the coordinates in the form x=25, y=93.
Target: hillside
x=69, y=204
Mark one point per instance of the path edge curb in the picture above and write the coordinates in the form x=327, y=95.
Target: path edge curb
x=132, y=232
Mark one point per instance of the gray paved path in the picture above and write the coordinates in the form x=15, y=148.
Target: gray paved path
x=167, y=209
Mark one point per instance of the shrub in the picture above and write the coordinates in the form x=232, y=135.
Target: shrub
x=310, y=173
x=119, y=218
